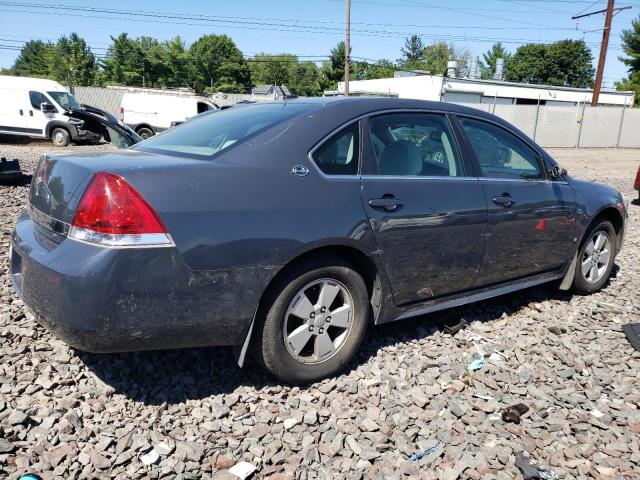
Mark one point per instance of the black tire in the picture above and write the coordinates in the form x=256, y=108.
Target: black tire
x=269, y=340
x=145, y=132
x=60, y=137
x=580, y=283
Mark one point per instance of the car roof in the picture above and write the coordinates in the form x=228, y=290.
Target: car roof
x=361, y=105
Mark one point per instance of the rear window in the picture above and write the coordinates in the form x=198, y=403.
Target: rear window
x=211, y=134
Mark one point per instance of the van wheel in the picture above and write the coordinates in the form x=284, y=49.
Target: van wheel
x=145, y=132
x=60, y=137
x=316, y=318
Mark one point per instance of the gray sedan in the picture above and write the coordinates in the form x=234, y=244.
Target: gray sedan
x=286, y=228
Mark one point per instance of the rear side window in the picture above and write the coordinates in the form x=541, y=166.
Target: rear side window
x=415, y=144
x=207, y=135
x=36, y=99
x=500, y=153
x=339, y=155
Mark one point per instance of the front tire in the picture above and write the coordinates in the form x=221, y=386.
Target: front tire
x=145, y=133
x=595, y=258
x=60, y=137
x=316, y=319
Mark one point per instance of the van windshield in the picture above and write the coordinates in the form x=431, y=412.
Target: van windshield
x=207, y=135
x=65, y=99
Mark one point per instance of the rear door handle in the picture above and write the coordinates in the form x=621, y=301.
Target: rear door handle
x=21, y=113
x=505, y=200
x=389, y=203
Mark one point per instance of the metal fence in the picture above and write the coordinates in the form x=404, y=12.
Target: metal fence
x=550, y=126
x=573, y=126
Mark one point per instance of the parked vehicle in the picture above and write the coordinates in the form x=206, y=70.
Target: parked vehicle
x=9, y=170
x=287, y=228
x=151, y=113
x=636, y=184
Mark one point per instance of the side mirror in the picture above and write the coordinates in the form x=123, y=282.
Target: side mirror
x=46, y=107
x=557, y=171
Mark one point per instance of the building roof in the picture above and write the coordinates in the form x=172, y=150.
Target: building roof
x=530, y=85
x=261, y=89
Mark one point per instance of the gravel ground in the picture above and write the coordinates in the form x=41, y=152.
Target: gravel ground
x=193, y=414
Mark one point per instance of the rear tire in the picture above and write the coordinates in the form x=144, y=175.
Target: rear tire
x=145, y=132
x=60, y=137
x=324, y=345
x=595, y=258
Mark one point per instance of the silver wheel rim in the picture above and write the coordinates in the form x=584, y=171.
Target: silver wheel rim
x=59, y=137
x=318, y=321
x=596, y=257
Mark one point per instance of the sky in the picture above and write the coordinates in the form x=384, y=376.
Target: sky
x=310, y=28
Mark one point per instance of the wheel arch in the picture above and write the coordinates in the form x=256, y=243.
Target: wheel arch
x=362, y=263
x=612, y=214
x=51, y=126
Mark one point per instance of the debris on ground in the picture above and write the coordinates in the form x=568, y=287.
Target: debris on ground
x=477, y=364
x=423, y=453
x=632, y=332
x=513, y=413
x=242, y=470
x=531, y=471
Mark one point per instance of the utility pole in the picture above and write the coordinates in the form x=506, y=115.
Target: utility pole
x=603, y=53
x=603, y=47
x=347, y=49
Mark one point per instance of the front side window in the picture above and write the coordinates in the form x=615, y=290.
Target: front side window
x=65, y=100
x=339, y=155
x=37, y=99
x=500, y=153
x=415, y=144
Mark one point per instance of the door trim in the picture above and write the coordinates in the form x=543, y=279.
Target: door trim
x=20, y=129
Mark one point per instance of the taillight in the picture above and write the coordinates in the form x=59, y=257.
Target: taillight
x=637, y=182
x=113, y=213
x=122, y=114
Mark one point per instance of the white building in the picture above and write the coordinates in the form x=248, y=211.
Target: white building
x=470, y=91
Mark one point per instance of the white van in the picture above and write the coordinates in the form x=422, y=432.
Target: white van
x=151, y=113
x=39, y=108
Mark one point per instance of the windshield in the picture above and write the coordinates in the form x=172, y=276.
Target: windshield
x=208, y=135
x=64, y=99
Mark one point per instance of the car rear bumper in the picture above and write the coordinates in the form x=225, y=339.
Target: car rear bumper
x=108, y=300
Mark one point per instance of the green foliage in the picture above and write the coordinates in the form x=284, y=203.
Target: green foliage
x=124, y=63
x=334, y=68
x=219, y=64
x=432, y=58
x=369, y=71
x=72, y=62
x=489, y=60
x=564, y=63
x=631, y=47
x=34, y=60
x=631, y=83
x=273, y=69
x=412, y=52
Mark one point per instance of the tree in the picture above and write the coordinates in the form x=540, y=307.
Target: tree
x=273, y=69
x=34, y=59
x=369, y=71
x=563, y=63
x=124, y=63
x=218, y=65
x=436, y=57
x=306, y=80
x=412, y=52
x=490, y=58
x=334, y=68
x=72, y=61
x=631, y=47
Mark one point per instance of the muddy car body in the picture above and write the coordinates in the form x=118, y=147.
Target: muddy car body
x=285, y=228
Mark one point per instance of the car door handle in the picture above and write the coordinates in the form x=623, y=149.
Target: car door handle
x=21, y=113
x=389, y=203
x=31, y=113
x=505, y=200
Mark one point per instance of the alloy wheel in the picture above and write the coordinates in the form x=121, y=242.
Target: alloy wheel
x=596, y=257
x=318, y=321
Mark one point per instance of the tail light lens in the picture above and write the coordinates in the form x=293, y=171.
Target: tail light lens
x=122, y=114
x=113, y=213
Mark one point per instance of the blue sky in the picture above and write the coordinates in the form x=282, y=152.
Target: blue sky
x=311, y=28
